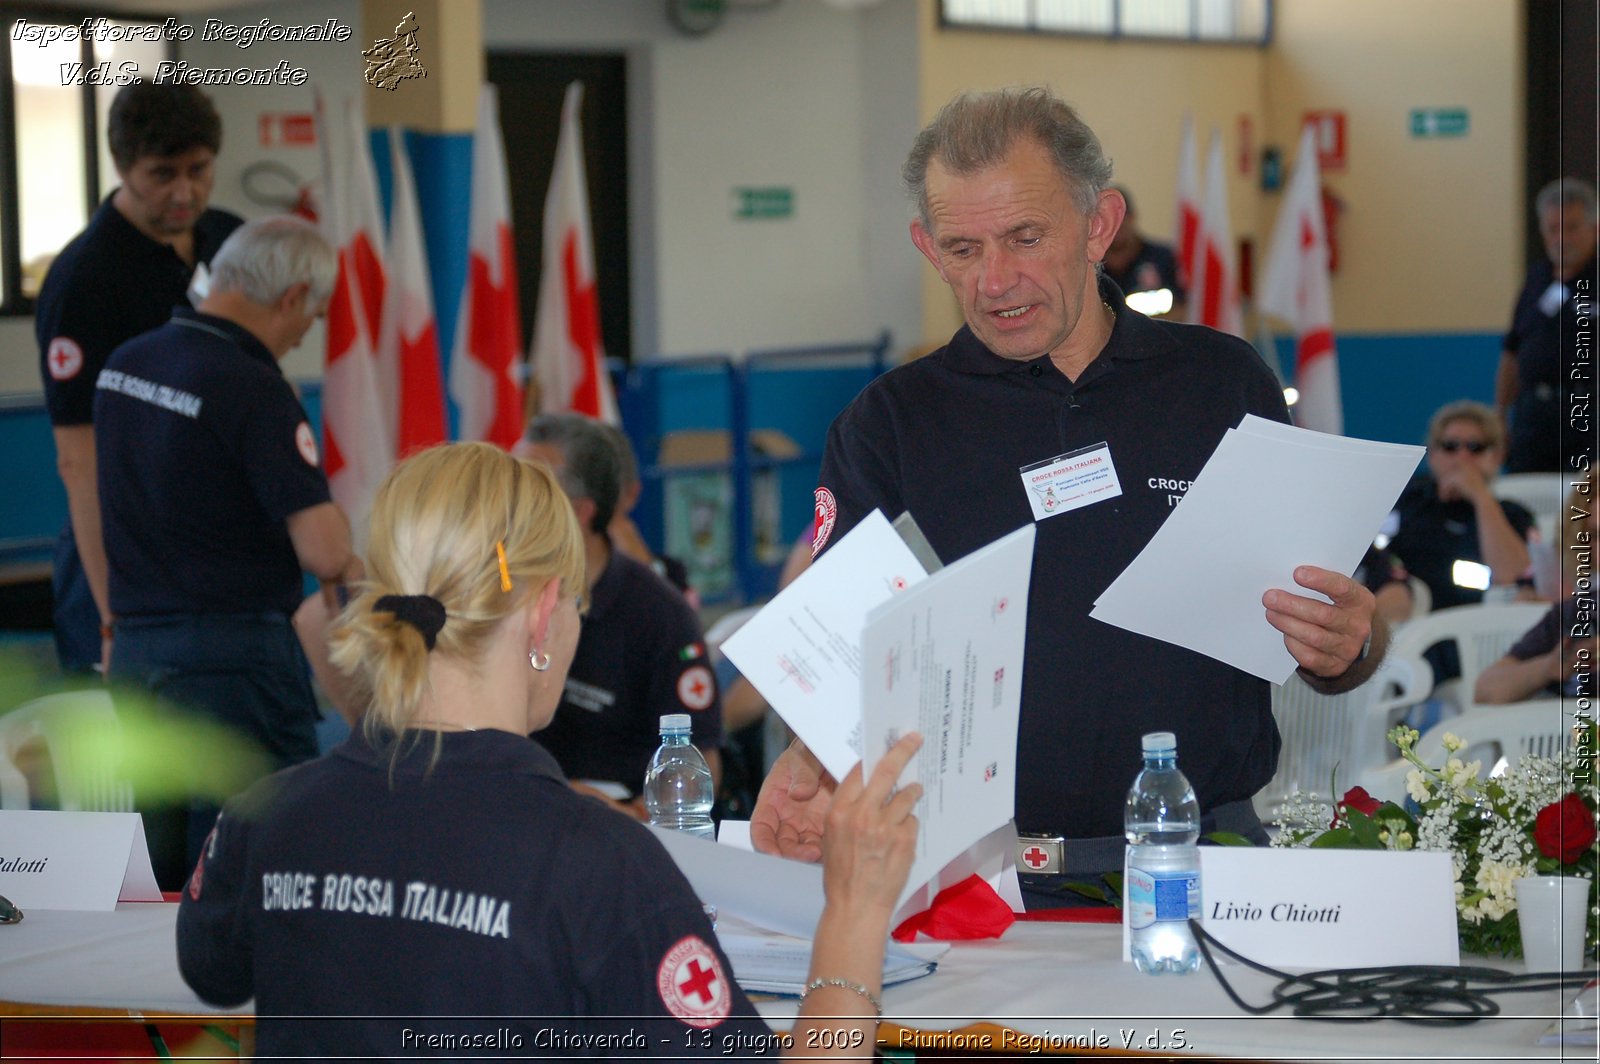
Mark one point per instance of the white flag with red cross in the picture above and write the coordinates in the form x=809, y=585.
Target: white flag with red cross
x=408, y=337
x=485, y=359
x=569, y=361
x=1296, y=288
x=357, y=431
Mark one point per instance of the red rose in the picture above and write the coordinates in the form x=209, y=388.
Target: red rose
x=1564, y=829
x=1355, y=798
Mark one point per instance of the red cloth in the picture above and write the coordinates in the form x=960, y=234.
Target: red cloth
x=968, y=910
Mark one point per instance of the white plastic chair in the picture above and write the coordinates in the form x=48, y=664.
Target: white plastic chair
x=1328, y=736
x=1541, y=494
x=82, y=737
x=1541, y=728
x=1482, y=633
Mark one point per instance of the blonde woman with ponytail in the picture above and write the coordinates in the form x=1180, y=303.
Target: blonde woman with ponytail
x=435, y=884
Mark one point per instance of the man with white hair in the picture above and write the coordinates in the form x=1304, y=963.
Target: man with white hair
x=1541, y=367
x=213, y=501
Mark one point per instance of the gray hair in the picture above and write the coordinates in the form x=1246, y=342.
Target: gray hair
x=628, y=462
x=591, y=468
x=1565, y=190
x=977, y=130
x=263, y=259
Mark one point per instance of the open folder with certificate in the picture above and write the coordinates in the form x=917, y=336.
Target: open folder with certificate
x=866, y=646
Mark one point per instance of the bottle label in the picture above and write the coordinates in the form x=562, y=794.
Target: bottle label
x=1159, y=896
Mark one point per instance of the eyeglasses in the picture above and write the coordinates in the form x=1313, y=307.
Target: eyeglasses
x=1470, y=446
x=9, y=913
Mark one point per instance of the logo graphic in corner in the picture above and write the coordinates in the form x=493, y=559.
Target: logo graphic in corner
x=306, y=441
x=692, y=985
x=390, y=61
x=696, y=688
x=827, y=513
x=64, y=357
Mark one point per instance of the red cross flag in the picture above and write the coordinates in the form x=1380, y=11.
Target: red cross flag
x=569, y=362
x=357, y=432
x=1188, y=225
x=1295, y=287
x=484, y=361
x=408, y=339
x=1214, y=292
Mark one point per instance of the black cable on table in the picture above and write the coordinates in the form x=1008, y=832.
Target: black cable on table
x=1424, y=994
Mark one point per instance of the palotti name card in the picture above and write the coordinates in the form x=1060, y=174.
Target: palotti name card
x=1300, y=908
x=54, y=860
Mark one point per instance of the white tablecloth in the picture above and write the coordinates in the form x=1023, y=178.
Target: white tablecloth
x=1059, y=980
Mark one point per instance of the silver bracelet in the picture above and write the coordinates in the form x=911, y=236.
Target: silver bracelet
x=844, y=984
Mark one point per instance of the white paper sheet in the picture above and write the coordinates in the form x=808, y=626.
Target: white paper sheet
x=1271, y=498
x=945, y=659
x=803, y=650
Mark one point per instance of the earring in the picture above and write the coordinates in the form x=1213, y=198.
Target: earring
x=540, y=662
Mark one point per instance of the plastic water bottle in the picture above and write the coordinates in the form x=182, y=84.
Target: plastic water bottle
x=677, y=785
x=1162, y=822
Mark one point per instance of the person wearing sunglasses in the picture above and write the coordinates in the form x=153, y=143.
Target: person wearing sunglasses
x=1448, y=529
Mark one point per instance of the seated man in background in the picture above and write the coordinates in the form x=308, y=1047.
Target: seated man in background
x=213, y=500
x=641, y=653
x=1556, y=657
x=1136, y=264
x=1448, y=527
x=624, y=533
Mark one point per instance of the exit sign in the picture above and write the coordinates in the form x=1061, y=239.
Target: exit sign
x=1439, y=122
x=772, y=202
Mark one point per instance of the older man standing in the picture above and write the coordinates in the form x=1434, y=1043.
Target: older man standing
x=1015, y=215
x=1537, y=357
x=214, y=501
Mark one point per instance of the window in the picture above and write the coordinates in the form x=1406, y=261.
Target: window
x=52, y=121
x=1222, y=21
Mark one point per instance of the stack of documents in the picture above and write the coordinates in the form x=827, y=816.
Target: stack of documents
x=773, y=963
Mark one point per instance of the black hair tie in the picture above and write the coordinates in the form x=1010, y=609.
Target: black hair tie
x=422, y=612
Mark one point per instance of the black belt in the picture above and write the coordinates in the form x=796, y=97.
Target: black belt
x=1054, y=855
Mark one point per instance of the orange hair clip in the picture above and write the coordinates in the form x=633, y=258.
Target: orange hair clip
x=505, y=570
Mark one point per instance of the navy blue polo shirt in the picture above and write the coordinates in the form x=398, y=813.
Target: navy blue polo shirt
x=109, y=284
x=458, y=891
x=204, y=452
x=641, y=654
x=945, y=437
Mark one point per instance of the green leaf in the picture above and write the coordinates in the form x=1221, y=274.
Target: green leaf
x=1228, y=838
x=1335, y=839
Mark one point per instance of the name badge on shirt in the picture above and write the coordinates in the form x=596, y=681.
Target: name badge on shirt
x=1071, y=480
x=1553, y=298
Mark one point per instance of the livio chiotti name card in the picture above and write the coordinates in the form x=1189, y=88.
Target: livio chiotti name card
x=1299, y=908
x=54, y=860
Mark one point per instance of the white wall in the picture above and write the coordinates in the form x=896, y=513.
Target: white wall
x=799, y=94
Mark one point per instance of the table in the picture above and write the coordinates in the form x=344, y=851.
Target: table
x=1061, y=983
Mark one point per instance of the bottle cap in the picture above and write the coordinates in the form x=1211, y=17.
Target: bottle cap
x=674, y=722
x=1155, y=742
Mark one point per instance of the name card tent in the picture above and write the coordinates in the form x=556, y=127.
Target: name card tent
x=85, y=861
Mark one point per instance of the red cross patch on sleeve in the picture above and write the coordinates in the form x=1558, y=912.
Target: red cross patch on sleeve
x=696, y=688
x=692, y=984
x=64, y=357
x=306, y=442
x=827, y=512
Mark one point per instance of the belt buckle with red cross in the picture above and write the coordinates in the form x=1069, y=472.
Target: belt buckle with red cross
x=1039, y=855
